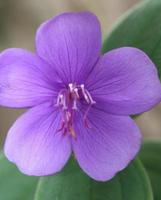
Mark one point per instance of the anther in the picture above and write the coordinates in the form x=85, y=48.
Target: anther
x=71, y=87
x=84, y=93
x=68, y=116
x=76, y=92
x=72, y=131
x=59, y=100
x=63, y=103
x=90, y=98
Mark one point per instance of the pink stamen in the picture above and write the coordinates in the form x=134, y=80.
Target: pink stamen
x=67, y=100
x=90, y=97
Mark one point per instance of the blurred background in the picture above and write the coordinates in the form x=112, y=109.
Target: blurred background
x=19, y=21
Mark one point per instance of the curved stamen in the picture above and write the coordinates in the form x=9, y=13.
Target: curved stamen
x=67, y=100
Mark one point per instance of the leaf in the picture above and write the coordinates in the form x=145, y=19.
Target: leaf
x=73, y=184
x=13, y=184
x=140, y=27
x=150, y=155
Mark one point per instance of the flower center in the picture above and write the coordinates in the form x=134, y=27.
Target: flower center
x=68, y=100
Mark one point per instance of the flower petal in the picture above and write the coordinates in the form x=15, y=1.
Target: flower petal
x=34, y=144
x=24, y=79
x=71, y=43
x=107, y=146
x=125, y=82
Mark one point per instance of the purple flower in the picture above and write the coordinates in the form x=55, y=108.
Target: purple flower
x=79, y=100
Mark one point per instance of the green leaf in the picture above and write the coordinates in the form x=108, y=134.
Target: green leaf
x=141, y=28
x=150, y=155
x=73, y=184
x=13, y=184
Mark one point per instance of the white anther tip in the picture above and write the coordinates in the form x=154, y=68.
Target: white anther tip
x=70, y=84
x=70, y=87
x=82, y=85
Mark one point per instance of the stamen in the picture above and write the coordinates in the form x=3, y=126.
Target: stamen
x=70, y=87
x=68, y=116
x=67, y=100
x=84, y=93
x=58, y=102
x=76, y=92
x=74, y=107
x=90, y=97
x=72, y=131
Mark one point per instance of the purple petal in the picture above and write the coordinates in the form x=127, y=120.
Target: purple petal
x=34, y=143
x=125, y=82
x=24, y=79
x=107, y=146
x=71, y=43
